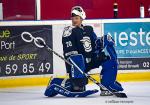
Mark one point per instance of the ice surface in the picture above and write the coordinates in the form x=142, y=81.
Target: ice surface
x=138, y=94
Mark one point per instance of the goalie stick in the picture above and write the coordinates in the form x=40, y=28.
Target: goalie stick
x=40, y=42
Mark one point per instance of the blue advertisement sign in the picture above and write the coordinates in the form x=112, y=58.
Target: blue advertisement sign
x=132, y=41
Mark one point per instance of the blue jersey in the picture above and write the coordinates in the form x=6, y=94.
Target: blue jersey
x=79, y=40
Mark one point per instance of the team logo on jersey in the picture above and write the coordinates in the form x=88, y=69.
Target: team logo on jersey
x=87, y=44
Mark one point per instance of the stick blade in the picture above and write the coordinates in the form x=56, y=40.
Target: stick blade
x=121, y=95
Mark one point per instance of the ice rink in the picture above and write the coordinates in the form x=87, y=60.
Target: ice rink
x=138, y=94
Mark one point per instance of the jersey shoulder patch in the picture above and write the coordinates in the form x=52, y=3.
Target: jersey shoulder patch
x=67, y=31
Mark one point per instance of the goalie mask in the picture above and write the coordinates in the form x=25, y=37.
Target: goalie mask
x=78, y=11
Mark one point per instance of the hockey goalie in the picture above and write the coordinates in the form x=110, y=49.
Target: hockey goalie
x=83, y=48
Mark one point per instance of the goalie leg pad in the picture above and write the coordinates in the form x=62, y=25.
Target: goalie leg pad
x=62, y=87
x=110, y=67
x=78, y=80
x=63, y=91
x=109, y=73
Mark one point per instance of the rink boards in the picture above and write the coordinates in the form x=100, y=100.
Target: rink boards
x=132, y=37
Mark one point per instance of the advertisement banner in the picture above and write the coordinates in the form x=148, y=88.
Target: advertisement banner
x=18, y=57
x=132, y=42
